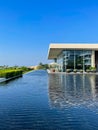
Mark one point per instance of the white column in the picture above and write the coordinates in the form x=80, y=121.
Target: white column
x=74, y=60
x=83, y=61
x=93, y=59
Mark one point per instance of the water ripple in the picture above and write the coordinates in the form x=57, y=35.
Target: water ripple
x=39, y=101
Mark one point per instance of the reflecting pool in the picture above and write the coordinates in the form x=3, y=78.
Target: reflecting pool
x=39, y=101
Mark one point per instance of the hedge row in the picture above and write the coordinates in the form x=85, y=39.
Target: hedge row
x=10, y=73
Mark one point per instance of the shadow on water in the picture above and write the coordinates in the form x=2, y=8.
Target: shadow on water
x=9, y=81
x=73, y=90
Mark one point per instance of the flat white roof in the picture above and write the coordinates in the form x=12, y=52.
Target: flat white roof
x=56, y=49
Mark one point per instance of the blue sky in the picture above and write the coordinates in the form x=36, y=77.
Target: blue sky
x=27, y=27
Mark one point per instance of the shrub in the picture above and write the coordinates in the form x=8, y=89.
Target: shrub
x=68, y=70
x=88, y=70
x=75, y=70
x=92, y=68
x=10, y=73
x=81, y=71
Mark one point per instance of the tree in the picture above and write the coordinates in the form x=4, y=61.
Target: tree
x=41, y=63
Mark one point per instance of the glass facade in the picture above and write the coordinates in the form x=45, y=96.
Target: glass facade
x=74, y=59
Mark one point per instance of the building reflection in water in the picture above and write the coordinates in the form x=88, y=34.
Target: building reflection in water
x=73, y=90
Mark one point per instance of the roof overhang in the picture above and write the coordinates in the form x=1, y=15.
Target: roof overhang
x=56, y=49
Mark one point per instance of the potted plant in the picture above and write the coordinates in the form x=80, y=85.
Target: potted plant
x=93, y=69
x=81, y=71
x=68, y=70
x=75, y=70
x=88, y=70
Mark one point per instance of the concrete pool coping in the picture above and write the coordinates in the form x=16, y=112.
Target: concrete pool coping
x=72, y=73
x=4, y=79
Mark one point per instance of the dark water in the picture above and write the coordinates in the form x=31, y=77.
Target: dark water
x=39, y=101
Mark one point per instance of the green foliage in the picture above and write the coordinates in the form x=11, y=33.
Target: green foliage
x=81, y=70
x=92, y=68
x=9, y=73
x=42, y=66
x=25, y=69
x=68, y=70
x=75, y=70
x=46, y=66
x=87, y=70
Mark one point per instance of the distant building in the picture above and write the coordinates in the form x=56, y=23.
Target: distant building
x=74, y=56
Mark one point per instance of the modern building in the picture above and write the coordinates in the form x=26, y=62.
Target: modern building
x=80, y=56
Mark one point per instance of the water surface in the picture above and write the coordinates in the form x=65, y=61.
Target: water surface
x=39, y=101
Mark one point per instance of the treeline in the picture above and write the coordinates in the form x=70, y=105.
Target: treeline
x=25, y=69
x=42, y=66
